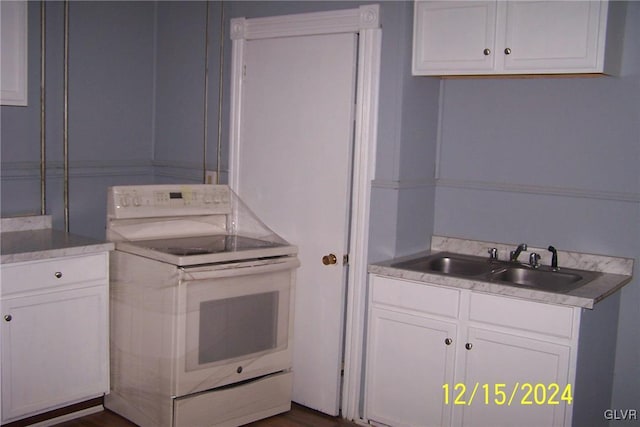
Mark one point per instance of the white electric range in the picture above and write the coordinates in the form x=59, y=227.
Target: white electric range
x=201, y=308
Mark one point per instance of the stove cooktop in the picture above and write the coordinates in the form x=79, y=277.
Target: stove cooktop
x=184, y=251
x=186, y=246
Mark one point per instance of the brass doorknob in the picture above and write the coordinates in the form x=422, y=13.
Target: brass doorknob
x=329, y=259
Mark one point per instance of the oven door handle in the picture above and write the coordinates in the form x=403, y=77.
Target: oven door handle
x=244, y=268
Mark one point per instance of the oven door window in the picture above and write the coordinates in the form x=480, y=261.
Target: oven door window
x=238, y=326
x=236, y=318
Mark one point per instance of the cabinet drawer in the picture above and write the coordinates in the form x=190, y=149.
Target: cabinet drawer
x=415, y=296
x=513, y=313
x=42, y=275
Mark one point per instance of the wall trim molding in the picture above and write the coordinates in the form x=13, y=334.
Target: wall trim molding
x=30, y=170
x=84, y=168
x=629, y=197
x=191, y=171
x=402, y=184
x=618, y=196
x=305, y=24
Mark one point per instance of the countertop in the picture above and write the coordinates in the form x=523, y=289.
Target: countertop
x=615, y=273
x=32, y=238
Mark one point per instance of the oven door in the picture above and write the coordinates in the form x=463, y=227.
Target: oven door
x=234, y=323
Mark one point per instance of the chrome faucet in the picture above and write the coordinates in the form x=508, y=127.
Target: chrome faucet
x=515, y=254
x=554, y=257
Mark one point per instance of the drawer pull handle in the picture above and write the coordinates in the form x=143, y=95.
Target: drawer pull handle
x=8, y=317
x=468, y=346
x=58, y=274
x=448, y=341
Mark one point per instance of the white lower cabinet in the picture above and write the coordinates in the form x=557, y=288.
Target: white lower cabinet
x=400, y=390
x=451, y=357
x=54, y=334
x=506, y=368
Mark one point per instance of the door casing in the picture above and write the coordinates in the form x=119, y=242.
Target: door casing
x=364, y=21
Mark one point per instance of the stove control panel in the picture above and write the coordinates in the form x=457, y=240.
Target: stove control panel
x=149, y=201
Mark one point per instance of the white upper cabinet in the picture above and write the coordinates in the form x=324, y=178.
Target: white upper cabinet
x=13, y=53
x=556, y=36
x=517, y=37
x=452, y=37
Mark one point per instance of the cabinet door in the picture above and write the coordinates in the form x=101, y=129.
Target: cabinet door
x=454, y=37
x=520, y=364
x=54, y=350
x=13, y=52
x=551, y=36
x=409, y=358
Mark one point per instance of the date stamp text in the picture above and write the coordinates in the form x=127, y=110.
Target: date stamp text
x=500, y=394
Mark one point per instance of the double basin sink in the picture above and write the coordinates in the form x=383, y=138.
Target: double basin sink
x=505, y=272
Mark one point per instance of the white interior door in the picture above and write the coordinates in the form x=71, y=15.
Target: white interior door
x=293, y=169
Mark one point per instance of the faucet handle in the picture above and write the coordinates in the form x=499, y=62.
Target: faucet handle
x=493, y=253
x=534, y=260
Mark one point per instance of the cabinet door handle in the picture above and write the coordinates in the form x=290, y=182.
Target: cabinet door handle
x=507, y=51
x=8, y=317
x=448, y=341
x=468, y=346
x=58, y=274
x=487, y=52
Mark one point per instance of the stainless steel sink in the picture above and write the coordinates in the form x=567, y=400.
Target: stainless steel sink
x=504, y=272
x=543, y=278
x=449, y=264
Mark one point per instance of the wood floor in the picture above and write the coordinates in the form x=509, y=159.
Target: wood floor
x=299, y=416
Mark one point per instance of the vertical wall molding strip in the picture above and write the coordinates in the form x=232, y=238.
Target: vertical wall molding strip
x=43, y=149
x=65, y=127
x=220, y=92
x=206, y=94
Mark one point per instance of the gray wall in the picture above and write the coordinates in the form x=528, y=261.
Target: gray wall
x=551, y=161
x=546, y=161
x=179, y=89
x=136, y=111
x=136, y=106
x=403, y=191
x=111, y=64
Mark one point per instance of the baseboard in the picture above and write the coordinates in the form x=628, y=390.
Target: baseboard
x=68, y=417
x=60, y=415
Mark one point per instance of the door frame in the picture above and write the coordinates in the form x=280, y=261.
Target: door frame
x=364, y=21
